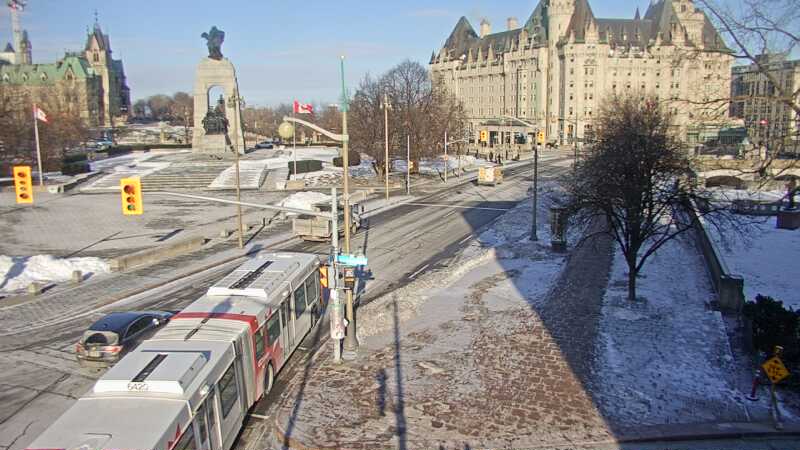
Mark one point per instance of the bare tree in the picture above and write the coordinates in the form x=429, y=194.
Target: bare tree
x=756, y=32
x=182, y=112
x=635, y=181
x=422, y=109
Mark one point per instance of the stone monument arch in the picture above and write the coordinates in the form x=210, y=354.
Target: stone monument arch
x=212, y=132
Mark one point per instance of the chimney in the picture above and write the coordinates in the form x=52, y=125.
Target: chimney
x=512, y=23
x=486, y=28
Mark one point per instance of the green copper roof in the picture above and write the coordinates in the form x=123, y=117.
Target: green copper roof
x=44, y=74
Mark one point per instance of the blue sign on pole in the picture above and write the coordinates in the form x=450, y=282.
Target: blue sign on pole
x=351, y=260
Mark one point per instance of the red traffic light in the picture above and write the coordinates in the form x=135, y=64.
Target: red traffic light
x=129, y=189
x=21, y=174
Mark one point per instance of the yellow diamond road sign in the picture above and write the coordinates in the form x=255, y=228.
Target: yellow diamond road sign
x=775, y=369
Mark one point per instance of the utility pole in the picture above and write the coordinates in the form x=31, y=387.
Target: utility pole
x=408, y=165
x=294, y=143
x=534, y=235
x=445, y=157
x=386, y=107
x=350, y=341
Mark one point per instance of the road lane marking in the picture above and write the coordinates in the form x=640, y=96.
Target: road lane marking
x=461, y=207
x=413, y=275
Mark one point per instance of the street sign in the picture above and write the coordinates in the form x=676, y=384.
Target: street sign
x=351, y=260
x=775, y=369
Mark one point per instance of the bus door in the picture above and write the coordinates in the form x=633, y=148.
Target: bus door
x=205, y=424
x=276, y=341
x=302, y=316
x=231, y=406
x=287, y=331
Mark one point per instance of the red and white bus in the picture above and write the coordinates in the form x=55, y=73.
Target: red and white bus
x=191, y=385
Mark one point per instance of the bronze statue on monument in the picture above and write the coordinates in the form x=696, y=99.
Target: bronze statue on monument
x=215, y=37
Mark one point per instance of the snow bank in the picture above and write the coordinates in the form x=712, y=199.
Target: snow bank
x=765, y=260
x=17, y=272
x=305, y=200
x=665, y=358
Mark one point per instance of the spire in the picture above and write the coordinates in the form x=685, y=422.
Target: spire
x=637, y=16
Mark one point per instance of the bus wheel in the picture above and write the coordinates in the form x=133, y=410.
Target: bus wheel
x=269, y=380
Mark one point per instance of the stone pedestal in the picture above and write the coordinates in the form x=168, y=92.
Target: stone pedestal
x=212, y=143
x=789, y=220
x=211, y=73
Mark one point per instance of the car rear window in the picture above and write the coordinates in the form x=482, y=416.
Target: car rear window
x=100, y=338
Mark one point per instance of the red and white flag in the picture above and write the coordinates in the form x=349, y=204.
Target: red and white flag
x=39, y=114
x=303, y=108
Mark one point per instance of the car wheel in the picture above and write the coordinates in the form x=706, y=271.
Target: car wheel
x=269, y=379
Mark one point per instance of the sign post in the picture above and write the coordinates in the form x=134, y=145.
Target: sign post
x=776, y=372
x=338, y=324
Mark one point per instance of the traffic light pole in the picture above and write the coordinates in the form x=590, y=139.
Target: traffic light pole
x=350, y=340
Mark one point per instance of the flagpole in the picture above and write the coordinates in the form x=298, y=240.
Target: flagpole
x=294, y=138
x=38, y=149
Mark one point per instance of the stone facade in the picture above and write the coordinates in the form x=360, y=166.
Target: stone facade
x=756, y=99
x=556, y=68
x=90, y=81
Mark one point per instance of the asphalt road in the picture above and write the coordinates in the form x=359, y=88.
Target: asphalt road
x=41, y=380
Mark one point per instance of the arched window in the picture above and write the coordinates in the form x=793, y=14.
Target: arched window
x=96, y=57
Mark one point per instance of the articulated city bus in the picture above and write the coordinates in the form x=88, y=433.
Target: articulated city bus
x=190, y=386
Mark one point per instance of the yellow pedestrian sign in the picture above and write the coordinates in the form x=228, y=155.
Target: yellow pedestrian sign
x=775, y=369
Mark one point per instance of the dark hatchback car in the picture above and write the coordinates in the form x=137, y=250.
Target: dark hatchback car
x=104, y=343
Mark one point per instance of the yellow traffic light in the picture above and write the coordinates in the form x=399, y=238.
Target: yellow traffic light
x=540, y=137
x=131, y=190
x=484, y=136
x=323, y=276
x=22, y=184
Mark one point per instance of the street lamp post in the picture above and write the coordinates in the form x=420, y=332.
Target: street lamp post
x=235, y=101
x=534, y=233
x=386, y=106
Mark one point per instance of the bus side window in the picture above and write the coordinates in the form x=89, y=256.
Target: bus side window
x=299, y=300
x=273, y=329
x=259, y=337
x=228, y=391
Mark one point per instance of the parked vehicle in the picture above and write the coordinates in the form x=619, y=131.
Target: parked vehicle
x=265, y=144
x=313, y=228
x=192, y=384
x=490, y=175
x=104, y=343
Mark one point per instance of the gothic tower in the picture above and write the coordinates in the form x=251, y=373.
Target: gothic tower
x=559, y=13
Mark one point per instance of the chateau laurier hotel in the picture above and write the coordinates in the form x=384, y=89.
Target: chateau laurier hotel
x=555, y=69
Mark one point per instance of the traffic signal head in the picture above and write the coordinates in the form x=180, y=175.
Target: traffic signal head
x=323, y=276
x=484, y=136
x=22, y=184
x=540, y=137
x=131, y=189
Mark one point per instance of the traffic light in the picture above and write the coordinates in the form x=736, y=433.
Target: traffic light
x=323, y=276
x=131, y=189
x=22, y=184
x=484, y=136
x=540, y=137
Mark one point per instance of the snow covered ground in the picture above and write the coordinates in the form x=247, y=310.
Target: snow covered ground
x=767, y=260
x=666, y=358
x=17, y=272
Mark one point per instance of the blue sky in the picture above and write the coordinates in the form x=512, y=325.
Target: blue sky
x=282, y=50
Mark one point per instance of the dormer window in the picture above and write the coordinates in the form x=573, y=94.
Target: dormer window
x=96, y=57
x=5, y=77
x=43, y=76
x=24, y=77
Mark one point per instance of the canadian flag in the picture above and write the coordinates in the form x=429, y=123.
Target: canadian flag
x=303, y=108
x=39, y=114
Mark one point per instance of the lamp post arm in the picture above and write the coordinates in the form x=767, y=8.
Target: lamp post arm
x=334, y=136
